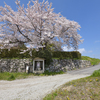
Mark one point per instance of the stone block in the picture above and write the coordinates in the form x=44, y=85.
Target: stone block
x=11, y=70
x=19, y=69
x=14, y=70
x=4, y=69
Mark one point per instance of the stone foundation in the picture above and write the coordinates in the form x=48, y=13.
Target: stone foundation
x=67, y=64
x=14, y=65
x=19, y=65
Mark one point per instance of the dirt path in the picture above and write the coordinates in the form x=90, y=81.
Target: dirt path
x=35, y=88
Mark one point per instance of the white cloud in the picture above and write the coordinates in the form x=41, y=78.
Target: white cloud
x=82, y=50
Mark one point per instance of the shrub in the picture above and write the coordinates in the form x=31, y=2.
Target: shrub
x=96, y=73
x=46, y=54
x=67, y=55
x=11, y=77
x=13, y=53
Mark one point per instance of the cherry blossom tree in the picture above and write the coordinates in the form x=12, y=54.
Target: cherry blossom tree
x=36, y=26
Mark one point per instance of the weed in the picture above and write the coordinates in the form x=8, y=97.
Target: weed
x=96, y=73
x=12, y=77
x=81, y=89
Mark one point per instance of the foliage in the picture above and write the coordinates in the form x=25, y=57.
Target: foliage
x=46, y=54
x=13, y=53
x=94, y=61
x=12, y=76
x=67, y=55
x=36, y=26
x=96, y=73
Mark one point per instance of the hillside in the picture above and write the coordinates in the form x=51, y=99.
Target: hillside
x=94, y=61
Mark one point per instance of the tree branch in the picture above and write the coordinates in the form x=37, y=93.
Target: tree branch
x=23, y=34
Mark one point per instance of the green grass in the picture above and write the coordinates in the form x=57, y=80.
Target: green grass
x=94, y=61
x=96, y=73
x=13, y=76
x=82, y=89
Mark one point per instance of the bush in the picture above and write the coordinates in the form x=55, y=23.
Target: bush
x=11, y=77
x=46, y=54
x=67, y=55
x=96, y=73
x=13, y=53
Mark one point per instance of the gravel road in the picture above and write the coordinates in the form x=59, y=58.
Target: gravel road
x=36, y=88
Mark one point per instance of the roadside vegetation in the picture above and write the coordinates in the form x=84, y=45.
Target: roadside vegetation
x=94, y=61
x=13, y=76
x=82, y=89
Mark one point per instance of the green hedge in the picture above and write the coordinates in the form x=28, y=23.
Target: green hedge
x=67, y=55
x=15, y=53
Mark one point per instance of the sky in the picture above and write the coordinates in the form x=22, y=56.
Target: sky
x=86, y=13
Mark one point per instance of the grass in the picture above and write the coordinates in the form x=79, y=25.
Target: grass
x=96, y=73
x=94, y=61
x=82, y=89
x=13, y=76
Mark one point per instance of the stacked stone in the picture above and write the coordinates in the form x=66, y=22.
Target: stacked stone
x=19, y=65
x=4, y=65
x=13, y=65
x=67, y=64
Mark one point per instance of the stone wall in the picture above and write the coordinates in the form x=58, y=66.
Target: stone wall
x=14, y=65
x=67, y=64
x=19, y=65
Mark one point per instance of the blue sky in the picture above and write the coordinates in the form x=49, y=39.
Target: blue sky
x=86, y=13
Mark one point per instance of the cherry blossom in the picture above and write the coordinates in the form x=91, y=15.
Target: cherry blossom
x=36, y=26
